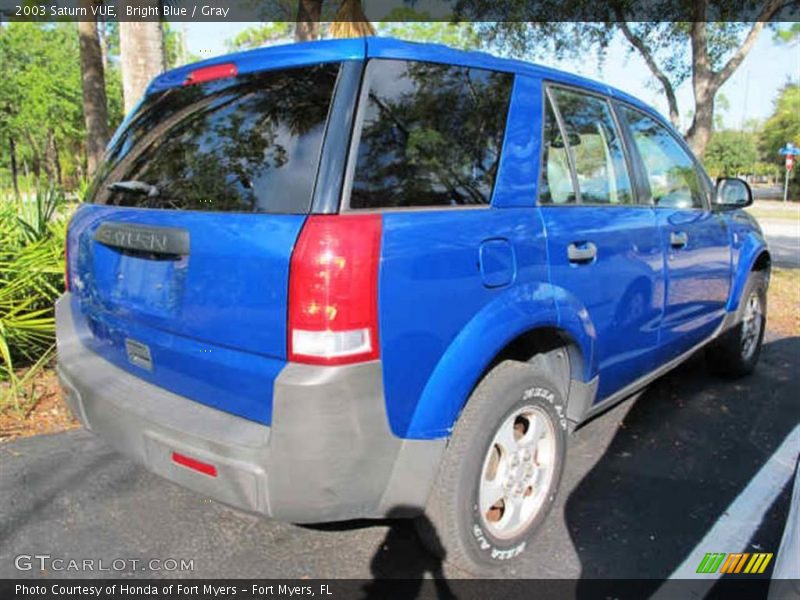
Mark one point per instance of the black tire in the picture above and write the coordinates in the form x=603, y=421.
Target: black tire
x=453, y=527
x=729, y=356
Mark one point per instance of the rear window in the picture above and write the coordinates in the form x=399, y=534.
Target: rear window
x=431, y=135
x=246, y=144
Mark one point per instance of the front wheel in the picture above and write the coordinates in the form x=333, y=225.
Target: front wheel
x=500, y=473
x=736, y=352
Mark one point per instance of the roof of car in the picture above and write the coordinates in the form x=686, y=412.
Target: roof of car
x=305, y=53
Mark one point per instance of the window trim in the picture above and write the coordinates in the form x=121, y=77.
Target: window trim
x=547, y=95
x=702, y=176
x=641, y=183
x=329, y=180
x=573, y=173
x=355, y=141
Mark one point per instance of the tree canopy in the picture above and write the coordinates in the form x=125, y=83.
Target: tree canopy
x=706, y=53
x=731, y=153
x=41, y=106
x=261, y=35
x=782, y=126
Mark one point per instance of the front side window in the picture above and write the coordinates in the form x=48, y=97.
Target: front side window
x=671, y=172
x=431, y=135
x=244, y=144
x=595, y=146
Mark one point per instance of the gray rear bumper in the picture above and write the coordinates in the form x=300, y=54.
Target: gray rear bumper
x=328, y=455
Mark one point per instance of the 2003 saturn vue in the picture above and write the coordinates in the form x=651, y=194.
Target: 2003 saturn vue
x=357, y=278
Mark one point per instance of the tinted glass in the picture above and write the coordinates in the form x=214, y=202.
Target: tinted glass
x=246, y=144
x=431, y=135
x=597, y=148
x=671, y=172
x=556, y=186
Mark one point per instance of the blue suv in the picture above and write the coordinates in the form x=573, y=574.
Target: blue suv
x=360, y=278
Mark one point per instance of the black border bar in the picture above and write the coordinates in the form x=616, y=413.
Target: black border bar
x=407, y=10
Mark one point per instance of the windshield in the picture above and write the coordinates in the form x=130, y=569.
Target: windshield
x=245, y=144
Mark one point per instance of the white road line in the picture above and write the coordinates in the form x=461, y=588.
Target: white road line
x=740, y=521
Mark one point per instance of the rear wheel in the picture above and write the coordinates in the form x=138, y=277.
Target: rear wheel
x=501, y=470
x=736, y=352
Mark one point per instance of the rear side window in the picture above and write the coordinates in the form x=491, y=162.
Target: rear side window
x=595, y=147
x=247, y=144
x=671, y=172
x=431, y=135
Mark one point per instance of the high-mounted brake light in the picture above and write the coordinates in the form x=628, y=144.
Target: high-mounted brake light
x=211, y=73
x=333, y=290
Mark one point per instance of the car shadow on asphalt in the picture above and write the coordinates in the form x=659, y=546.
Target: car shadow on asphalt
x=401, y=565
x=401, y=547
x=684, y=451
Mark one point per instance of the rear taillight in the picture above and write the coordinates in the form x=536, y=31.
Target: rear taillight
x=333, y=290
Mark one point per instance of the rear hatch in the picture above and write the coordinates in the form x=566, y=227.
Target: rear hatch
x=179, y=266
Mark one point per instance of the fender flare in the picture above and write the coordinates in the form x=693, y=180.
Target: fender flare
x=752, y=247
x=516, y=312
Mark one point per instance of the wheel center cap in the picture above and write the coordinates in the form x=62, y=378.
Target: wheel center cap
x=520, y=473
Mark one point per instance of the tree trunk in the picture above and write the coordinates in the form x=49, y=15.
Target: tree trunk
x=12, y=147
x=184, y=51
x=57, y=162
x=102, y=36
x=699, y=134
x=141, y=54
x=46, y=165
x=164, y=53
x=36, y=156
x=650, y=61
x=350, y=21
x=307, y=21
x=95, y=105
x=705, y=81
x=51, y=163
x=703, y=85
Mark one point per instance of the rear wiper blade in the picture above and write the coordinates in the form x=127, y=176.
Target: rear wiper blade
x=137, y=187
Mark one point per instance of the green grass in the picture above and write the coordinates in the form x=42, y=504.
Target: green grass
x=31, y=278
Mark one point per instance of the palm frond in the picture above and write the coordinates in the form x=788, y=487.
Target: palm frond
x=31, y=268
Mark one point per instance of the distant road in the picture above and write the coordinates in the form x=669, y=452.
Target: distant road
x=783, y=238
x=780, y=222
x=771, y=192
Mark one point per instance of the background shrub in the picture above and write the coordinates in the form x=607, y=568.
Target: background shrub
x=32, y=230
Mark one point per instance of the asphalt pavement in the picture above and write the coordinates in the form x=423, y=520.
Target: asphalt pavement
x=783, y=235
x=783, y=238
x=644, y=484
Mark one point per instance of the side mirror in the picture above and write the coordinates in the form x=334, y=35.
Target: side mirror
x=732, y=193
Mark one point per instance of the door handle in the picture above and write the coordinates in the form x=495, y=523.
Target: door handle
x=678, y=239
x=581, y=253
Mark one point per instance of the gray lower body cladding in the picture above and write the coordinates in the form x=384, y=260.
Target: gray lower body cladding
x=328, y=455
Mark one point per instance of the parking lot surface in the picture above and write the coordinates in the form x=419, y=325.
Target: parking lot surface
x=644, y=485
